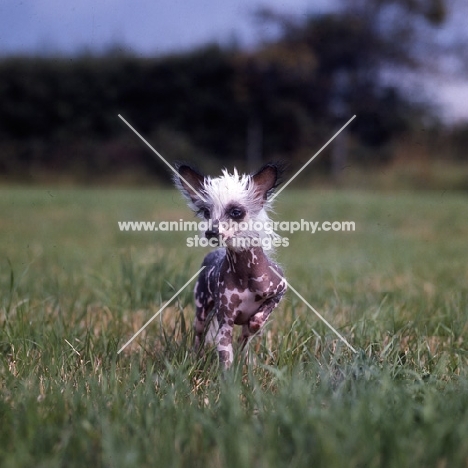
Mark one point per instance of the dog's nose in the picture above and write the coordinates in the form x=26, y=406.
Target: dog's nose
x=211, y=233
x=213, y=230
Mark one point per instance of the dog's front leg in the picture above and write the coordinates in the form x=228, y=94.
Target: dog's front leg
x=258, y=320
x=224, y=341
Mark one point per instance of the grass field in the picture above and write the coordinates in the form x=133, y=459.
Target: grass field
x=73, y=289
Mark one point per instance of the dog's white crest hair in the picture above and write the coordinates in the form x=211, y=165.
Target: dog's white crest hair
x=235, y=187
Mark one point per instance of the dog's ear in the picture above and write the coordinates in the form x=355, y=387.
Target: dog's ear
x=267, y=179
x=190, y=182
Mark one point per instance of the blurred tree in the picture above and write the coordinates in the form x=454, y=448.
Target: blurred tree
x=280, y=100
x=268, y=87
x=345, y=59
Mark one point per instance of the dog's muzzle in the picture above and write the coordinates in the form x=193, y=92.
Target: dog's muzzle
x=213, y=232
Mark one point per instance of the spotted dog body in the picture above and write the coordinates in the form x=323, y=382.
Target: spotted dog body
x=235, y=288
x=237, y=285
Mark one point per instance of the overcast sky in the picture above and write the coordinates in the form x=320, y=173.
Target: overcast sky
x=150, y=27
x=147, y=26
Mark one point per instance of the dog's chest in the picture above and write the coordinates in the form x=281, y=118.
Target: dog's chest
x=241, y=282
x=242, y=298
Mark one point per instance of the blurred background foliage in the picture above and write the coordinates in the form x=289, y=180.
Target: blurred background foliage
x=224, y=106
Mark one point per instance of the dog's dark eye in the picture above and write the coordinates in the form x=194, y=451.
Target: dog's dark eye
x=205, y=212
x=236, y=213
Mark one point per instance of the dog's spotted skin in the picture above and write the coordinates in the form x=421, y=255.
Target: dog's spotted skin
x=237, y=288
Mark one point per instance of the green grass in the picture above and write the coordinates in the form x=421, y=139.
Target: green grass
x=73, y=289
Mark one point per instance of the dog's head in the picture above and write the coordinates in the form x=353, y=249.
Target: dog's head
x=234, y=205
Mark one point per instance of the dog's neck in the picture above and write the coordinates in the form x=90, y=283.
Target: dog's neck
x=247, y=263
